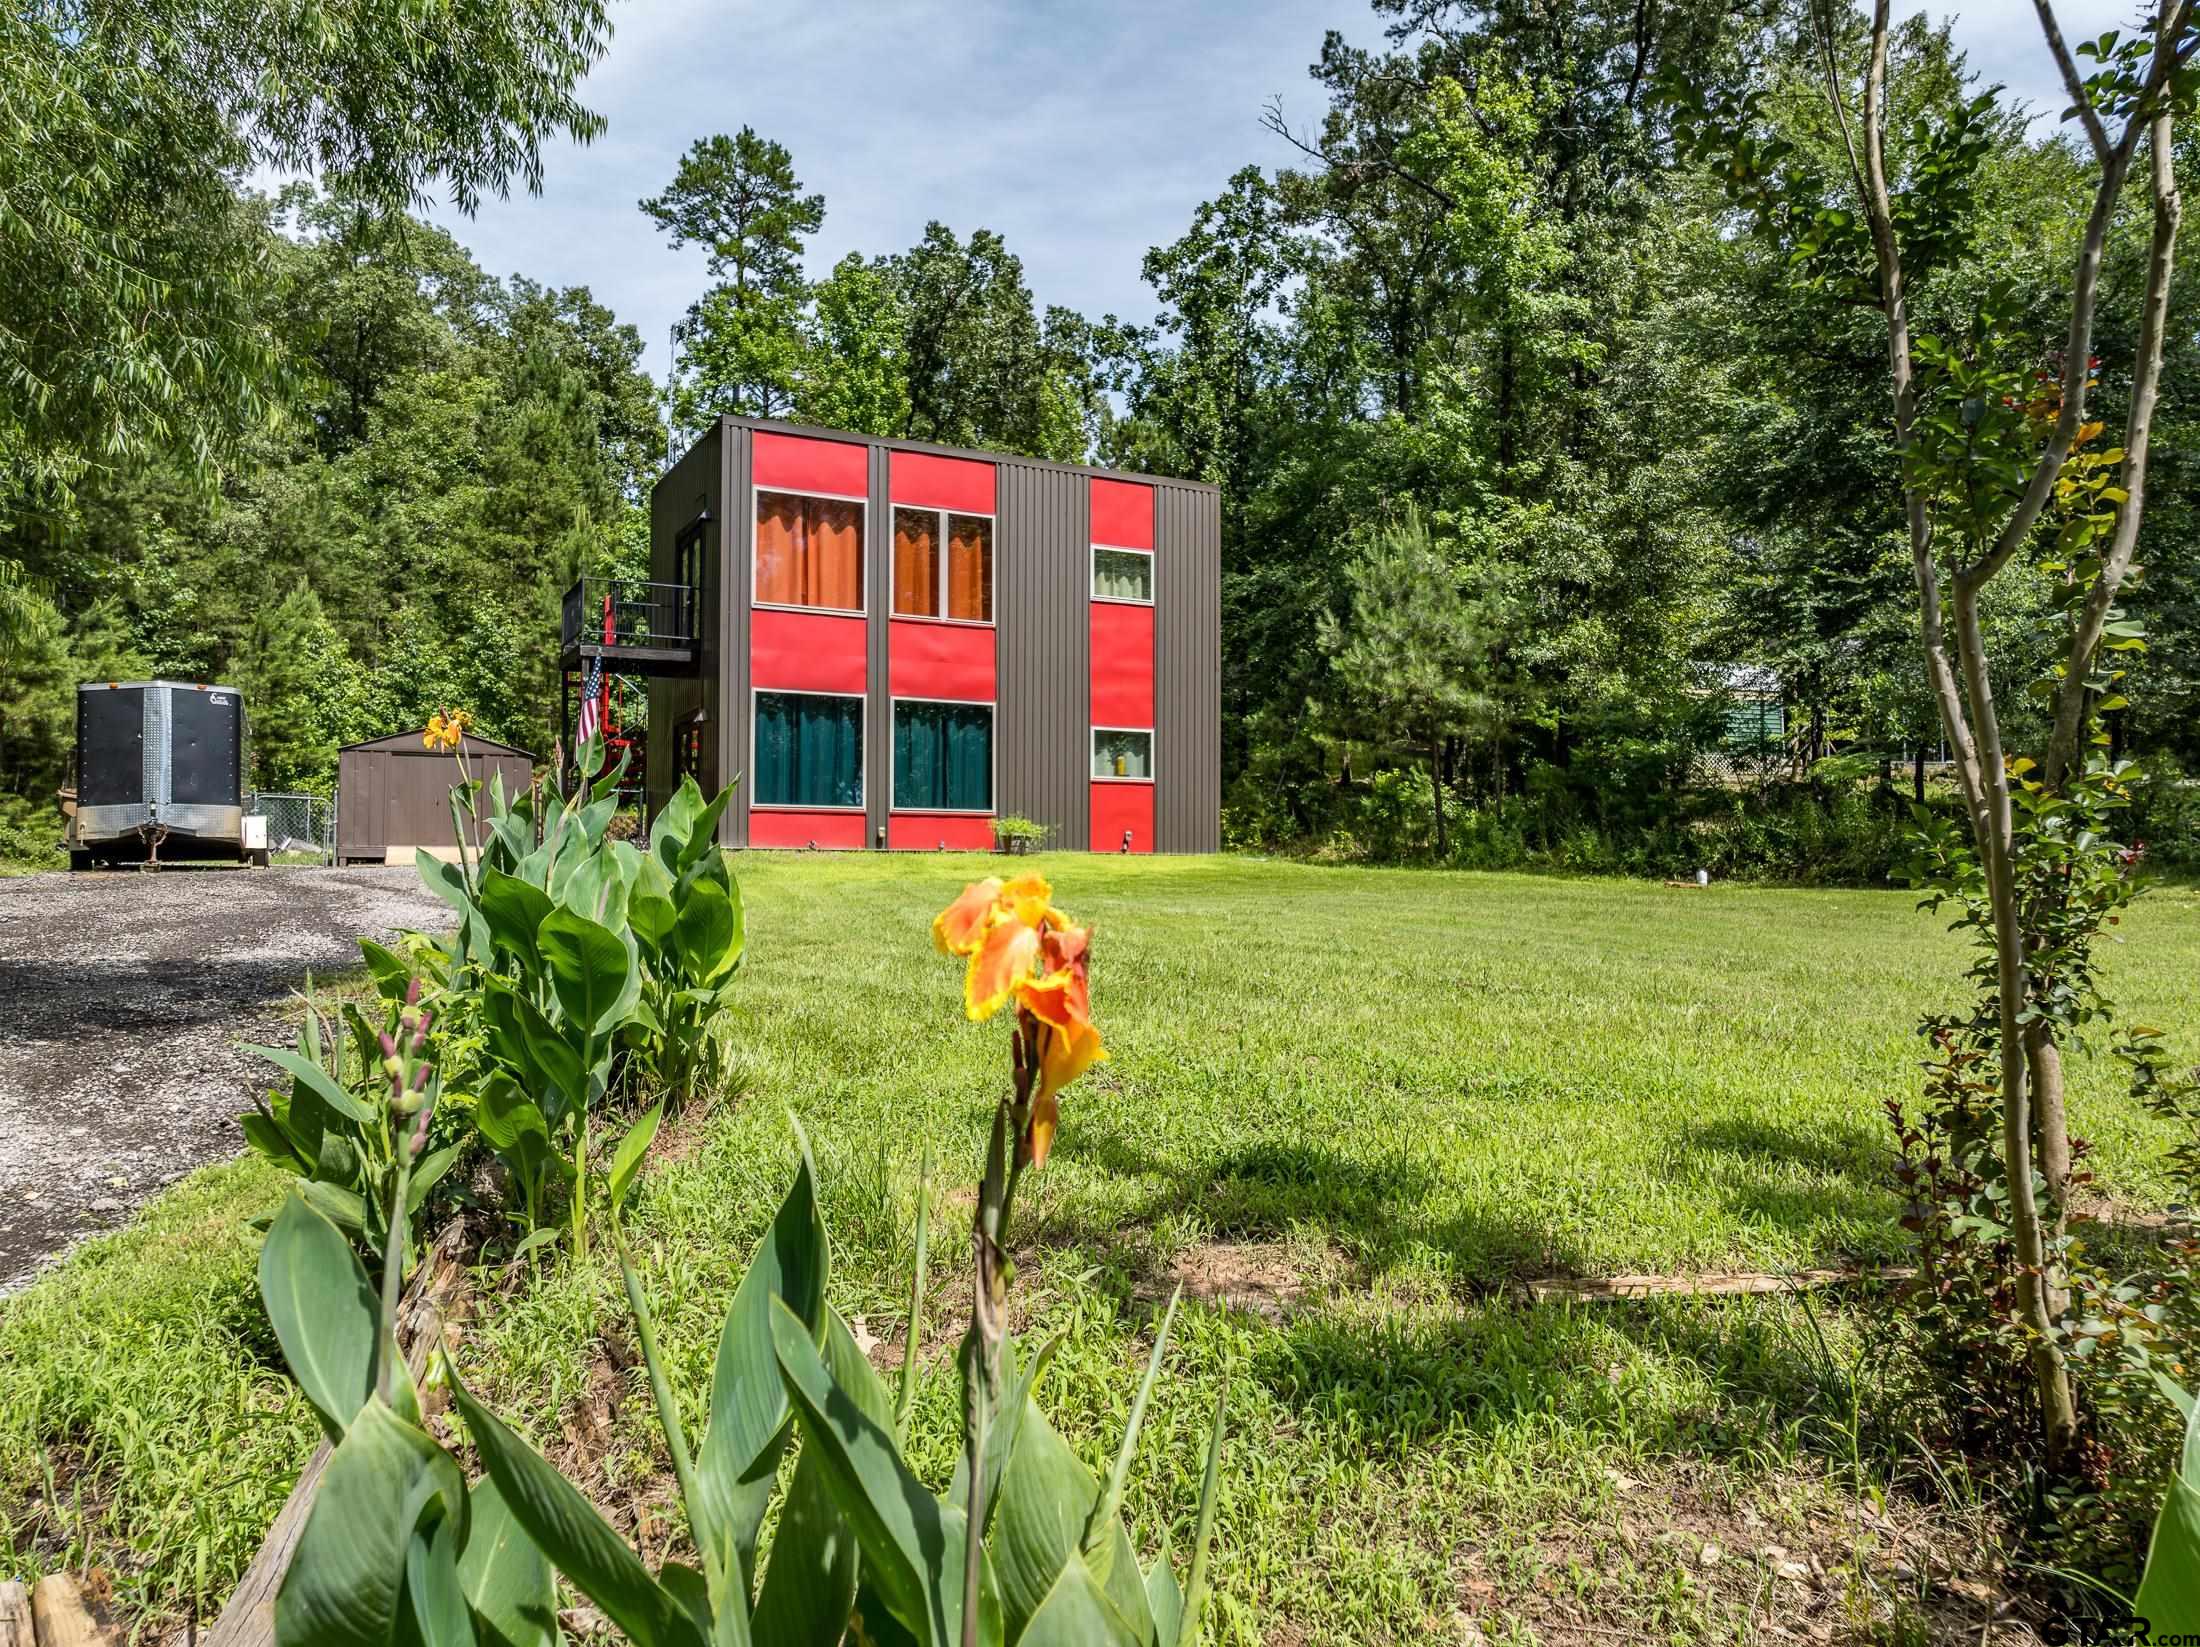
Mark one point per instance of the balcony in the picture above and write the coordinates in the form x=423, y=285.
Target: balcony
x=636, y=628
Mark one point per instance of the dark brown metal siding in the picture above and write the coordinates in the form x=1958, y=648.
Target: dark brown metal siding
x=691, y=487
x=878, y=601
x=1187, y=669
x=1045, y=598
x=734, y=709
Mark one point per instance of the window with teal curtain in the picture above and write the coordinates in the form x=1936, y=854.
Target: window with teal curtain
x=809, y=750
x=943, y=757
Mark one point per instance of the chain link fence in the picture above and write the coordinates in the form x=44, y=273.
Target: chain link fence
x=298, y=823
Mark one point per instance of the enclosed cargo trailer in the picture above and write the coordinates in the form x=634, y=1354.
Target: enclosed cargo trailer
x=159, y=775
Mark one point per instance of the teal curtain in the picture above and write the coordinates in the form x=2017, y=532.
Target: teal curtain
x=809, y=750
x=943, y=757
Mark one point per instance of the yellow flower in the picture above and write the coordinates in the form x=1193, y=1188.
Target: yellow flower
x=446, y=731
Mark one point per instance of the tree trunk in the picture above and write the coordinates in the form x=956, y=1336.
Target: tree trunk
x=1436, y=787
x=2051, y=1130
x=1993, y=826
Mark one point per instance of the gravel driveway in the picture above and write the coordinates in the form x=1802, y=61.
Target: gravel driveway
x=121, y=995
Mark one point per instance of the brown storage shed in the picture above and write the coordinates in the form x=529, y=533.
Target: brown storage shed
x=393, y=794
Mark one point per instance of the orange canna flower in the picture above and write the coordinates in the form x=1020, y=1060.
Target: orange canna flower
x=1004, y=958
x=1065, y=1055
x=1061, y=995
x=1021, y=946
x=998, y=926
x=957, y=929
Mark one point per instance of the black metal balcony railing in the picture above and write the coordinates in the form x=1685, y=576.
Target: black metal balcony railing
x=611, y=615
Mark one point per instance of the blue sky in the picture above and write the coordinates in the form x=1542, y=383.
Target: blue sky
x=1084, y=133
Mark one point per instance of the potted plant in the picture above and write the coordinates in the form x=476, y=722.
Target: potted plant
x=1017, y=835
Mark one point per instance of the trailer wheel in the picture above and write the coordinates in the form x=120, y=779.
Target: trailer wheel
x=260, y=858
x=81, y=860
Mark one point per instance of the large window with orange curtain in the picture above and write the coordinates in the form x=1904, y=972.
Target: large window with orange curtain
x=943, y=565
x=809, y=551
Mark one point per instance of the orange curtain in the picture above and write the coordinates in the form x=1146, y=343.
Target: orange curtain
x=809, y=551
x=836, y=553
x=917, y=562
x=780, y=539
x=970, y=568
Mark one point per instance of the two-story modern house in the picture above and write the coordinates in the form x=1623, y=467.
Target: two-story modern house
x=891, y=644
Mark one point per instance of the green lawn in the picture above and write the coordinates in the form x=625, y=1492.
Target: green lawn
x=1385, y=1094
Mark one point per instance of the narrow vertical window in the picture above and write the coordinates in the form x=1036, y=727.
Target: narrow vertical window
x=917, y=563
x=970, y=568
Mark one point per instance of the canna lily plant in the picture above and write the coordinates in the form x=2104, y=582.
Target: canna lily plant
x=1026, y=1548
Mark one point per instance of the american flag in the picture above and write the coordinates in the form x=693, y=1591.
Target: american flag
x=592, y=691
x=591, y=700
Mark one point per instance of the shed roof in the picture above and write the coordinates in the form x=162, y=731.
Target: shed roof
x=475, y=745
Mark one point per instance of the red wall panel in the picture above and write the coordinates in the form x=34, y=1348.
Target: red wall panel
x=940, y=660
x=806, y=652
x=1122, y=513
x=1122, y=665
x=811, y=465
x=843, y=831
x=1120, y=806
x=923, y=832
x=942, y=482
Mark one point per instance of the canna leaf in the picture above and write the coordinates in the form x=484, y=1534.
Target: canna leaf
x=312, y=1078
x=507, y=1578
x=1078, y=1612
x=590, y=968
x=1164, y=1600
x=268, y=1138
x=346, y=1209
x=427, y=1172
x=435, y=1611
x=1107, y=1514
x=810, y=1582
x=627, y=1161
x=912, y=1543
x=515, y=912
x=386, y=1480
x=652, y=916
x=736, y=1469
x=567, y=1529
x=708, y=932
x=1203, y=1535
x=392, y=976
x=1039, y=1523
x=325, y=1313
